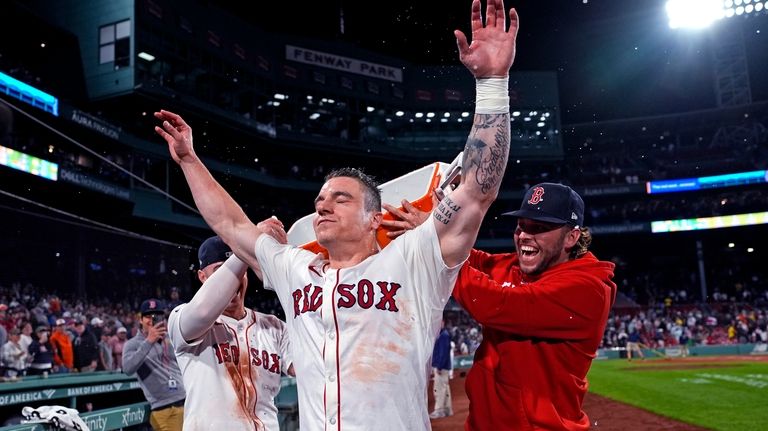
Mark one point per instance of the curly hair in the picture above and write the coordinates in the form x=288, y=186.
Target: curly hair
x=369, y=183
x=582, y=246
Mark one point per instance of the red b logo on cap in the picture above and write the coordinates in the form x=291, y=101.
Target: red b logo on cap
x=536, y=195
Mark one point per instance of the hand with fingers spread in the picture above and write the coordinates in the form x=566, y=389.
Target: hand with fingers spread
x=492, y=50
x=178, y=134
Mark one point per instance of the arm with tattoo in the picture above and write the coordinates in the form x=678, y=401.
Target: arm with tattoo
x=458, y=216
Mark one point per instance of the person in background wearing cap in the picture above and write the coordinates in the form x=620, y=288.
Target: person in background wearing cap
x=63, y=356
x=543, y=310
x=41, y=352
x=85, y=346
x=232, y=358
x=149, y=356
x=97, y=325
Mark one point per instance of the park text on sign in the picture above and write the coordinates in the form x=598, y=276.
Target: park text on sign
x=346, y=64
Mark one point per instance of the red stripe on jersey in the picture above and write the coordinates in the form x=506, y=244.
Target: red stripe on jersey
x=336, y=325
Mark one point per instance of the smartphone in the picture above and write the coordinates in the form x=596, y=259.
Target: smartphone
x=157, y=318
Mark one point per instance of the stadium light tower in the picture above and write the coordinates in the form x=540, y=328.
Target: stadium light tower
x=697, y=14
x=694, y=13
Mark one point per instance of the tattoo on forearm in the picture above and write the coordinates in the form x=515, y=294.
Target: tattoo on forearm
x=488, y=161
x=445, y=210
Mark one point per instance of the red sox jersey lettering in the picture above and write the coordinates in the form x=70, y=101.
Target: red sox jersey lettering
x=363, y=293
x=309, y=298
x=226, y=352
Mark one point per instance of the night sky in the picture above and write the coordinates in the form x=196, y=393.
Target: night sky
x=614, y=58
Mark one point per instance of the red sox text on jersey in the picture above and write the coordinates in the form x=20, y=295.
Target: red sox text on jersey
x=228, y=352
x=364, y=293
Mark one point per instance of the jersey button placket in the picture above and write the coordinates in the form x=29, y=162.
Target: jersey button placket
x=330, y=366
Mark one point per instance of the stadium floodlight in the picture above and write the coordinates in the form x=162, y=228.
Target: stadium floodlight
x=694, y=13
x=146, y=56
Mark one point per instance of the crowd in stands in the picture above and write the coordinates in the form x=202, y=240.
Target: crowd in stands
x=43, y=333
x=688, y=325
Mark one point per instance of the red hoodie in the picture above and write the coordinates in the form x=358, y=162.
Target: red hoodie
x=540, y=334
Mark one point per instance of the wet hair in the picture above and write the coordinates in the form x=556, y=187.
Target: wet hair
x=370, y=186
x=582, y=245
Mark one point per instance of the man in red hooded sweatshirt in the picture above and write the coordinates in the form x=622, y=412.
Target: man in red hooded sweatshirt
x=543, y=311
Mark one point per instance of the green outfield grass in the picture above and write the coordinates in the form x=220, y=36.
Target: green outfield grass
x=725, y=396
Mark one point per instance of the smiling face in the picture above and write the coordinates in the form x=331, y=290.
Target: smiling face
x=340, y=213
x=541, y=245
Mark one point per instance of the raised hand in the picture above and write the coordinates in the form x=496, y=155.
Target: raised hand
x=493, y=47
x=177, y=133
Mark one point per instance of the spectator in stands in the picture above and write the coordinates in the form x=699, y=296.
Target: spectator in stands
x=3, y=330
x=26, y=335
x=175, y=300
x=14, y=356
x=63, y=355
x=543, y=309
x=96, y=326
x=85, y=347
x=149, y=355
x=41, y=352
x=6, y=321
x=106, y=361
x=117, y=344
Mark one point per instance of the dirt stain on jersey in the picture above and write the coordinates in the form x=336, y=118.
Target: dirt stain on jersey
x=240, y=375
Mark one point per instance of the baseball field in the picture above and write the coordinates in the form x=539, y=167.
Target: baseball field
x=728, y=393
x=720, y=393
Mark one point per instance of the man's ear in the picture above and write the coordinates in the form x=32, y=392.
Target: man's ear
x=572, y=238
x=201, y=276
x=376, y=218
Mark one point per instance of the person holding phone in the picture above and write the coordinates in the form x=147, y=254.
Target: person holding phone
x=149, y=355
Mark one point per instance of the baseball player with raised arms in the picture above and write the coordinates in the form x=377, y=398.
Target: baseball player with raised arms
x=231, y=357
x=363, y=320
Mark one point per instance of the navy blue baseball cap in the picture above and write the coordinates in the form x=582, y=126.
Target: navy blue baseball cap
x=152, y=306
x=213, y=250
x=552, y=203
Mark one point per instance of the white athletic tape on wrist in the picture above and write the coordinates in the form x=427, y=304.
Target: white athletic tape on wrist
x=492, y=96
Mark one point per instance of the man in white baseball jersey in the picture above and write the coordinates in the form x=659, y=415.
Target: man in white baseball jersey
x=231, y=357
x=363, y=320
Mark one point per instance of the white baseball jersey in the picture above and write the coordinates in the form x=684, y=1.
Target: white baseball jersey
x=232, y=373
x=362, y=336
